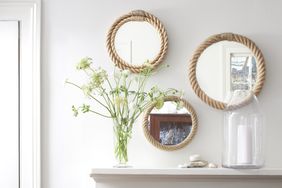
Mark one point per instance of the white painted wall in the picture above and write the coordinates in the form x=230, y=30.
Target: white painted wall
x=76, y=28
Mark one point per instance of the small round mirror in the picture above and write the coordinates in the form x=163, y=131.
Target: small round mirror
x=172, y=126
x=137, y=42
x=136, y=38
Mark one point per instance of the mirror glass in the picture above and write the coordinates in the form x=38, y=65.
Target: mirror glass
x=171, y=124
x=137, y=42
x=225, y=67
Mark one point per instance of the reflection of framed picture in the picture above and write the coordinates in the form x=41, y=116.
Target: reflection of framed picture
x=170, y=129
x=240, y=69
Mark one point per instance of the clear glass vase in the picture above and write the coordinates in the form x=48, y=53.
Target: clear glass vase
x=243, y=132
x=122, y=135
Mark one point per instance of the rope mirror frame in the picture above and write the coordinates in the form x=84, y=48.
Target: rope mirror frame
x=140, y=16
x=186, y=141
x=260, y=64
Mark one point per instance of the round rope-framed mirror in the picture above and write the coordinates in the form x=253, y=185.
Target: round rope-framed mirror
x=136, y=38
x=224, y=63
x=171, y=127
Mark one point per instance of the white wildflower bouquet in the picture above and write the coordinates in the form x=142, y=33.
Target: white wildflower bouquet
x=123, y=99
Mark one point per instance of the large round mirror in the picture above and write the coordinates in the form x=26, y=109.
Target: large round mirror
x=172, y=126
x=224, y=64
x=136, y=38
x=224, y=67
x=137, y=42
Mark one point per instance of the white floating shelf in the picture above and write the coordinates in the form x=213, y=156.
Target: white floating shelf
x=187, y=173
x=186, y=178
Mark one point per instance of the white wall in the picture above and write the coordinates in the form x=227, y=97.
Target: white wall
x=76, y=28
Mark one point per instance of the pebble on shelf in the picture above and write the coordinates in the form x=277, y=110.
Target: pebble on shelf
x=196, y=161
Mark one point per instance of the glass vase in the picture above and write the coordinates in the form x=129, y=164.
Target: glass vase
x=243, y=132
x=122, y=135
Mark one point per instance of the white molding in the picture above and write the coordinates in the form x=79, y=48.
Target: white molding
x=28, y=12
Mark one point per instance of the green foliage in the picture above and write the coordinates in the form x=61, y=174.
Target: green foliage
x=75, y=111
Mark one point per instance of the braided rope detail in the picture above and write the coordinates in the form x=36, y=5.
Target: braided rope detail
x=136, y=15
x=186, y=141
x=260, y=64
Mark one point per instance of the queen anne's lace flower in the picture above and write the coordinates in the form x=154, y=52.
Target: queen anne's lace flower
x=84, y=63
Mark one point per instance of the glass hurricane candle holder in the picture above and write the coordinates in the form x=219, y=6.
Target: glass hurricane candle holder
x=243, y=132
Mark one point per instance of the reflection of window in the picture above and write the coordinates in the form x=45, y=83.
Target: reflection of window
x=240, y=68
x=170, y=129
x=242, y=71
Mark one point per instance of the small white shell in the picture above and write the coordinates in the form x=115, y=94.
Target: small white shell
x=183, y=165
x=212, y=165
x=195, y=157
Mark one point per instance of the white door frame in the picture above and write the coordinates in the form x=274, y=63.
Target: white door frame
x=28, y=13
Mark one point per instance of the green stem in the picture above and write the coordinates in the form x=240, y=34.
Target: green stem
x=100, y=114
x=122, y=136
x=111, y=103
x=100, y=103
x=89, y=95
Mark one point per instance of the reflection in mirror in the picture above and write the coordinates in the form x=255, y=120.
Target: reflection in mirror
x=137, y=42
x=225, y=67
x=171, y=124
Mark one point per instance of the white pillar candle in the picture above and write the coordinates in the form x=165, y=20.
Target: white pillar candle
x=244, y=145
